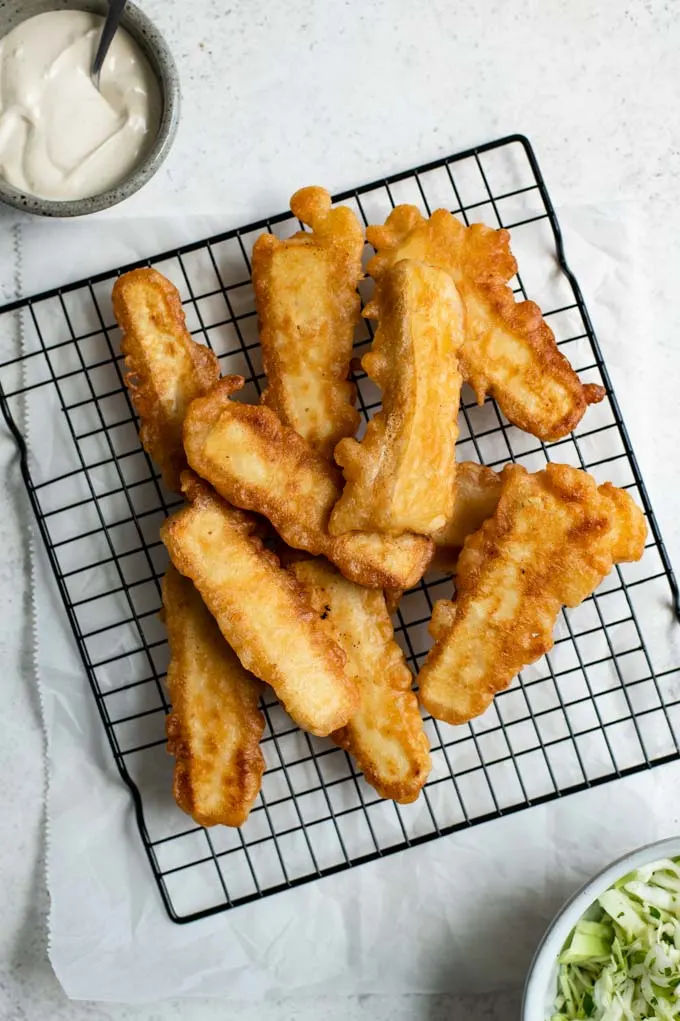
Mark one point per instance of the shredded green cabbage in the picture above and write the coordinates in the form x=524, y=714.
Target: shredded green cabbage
x=621, y=961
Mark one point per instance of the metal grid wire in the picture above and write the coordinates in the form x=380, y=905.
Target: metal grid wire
x=601, y=704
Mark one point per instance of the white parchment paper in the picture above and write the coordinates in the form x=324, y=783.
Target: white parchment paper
x=462, y=913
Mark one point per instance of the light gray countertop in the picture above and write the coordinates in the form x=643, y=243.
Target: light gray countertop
x=283, y=93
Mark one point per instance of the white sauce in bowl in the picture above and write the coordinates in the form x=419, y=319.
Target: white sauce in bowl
x=61, y=138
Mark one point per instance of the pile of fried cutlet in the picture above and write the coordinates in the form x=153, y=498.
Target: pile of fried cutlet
x=297, y=539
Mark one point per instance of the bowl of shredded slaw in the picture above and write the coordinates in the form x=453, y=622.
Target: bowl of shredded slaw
x=613, y=951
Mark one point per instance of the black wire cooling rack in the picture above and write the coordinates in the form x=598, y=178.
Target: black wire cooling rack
x=603, y=703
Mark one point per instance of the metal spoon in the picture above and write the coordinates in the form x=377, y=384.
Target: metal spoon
x=116, y=8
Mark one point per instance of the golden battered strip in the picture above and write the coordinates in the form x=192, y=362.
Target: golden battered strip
x=380, y=561
x=308, y=307
x=258, y=464
x=386, y=735
x=478, y=491
x=553, y=538
x=509, y=351
x=215, y=726
x=260, y=609
x=401, y=476
x=166, y=368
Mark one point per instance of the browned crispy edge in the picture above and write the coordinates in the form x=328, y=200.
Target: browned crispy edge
x=408, y=791
x=307, y=204
x=570, y=485
x=370, y=575
x=486, y=482
x=369, y=456
x=392, y=599
x=342, y=549
x=496, y=265
x=206, y=411
x=201, y=494
x=152, y=432
x=525, y=319
x=250, y=764
x=494, y=260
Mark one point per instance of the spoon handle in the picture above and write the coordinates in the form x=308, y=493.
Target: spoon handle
x=116, y=8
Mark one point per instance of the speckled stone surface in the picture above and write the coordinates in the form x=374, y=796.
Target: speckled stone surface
x=280, y=93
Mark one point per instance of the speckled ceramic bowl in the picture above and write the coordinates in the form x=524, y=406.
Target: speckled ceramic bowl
x=156, y=51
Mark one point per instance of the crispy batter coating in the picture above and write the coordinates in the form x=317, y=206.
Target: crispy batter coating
x=553, y=538
x=215, y=726
x=258, y=464
x=166, y=369
x=401, y=476
x=308, y=306
x=260, y=609
x=478, y=491
x=380, y=561
x=393, y=599
x=386, y=735
x=509, y=351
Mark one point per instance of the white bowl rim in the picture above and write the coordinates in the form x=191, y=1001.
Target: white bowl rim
x=541, y=971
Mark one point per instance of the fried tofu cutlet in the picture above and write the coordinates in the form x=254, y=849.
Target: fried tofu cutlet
x=510, y=351
x=215, y=726
x=552, y=539
x=478, y=491
x=401, y=476
x=166, y=368
x=260, y=609
x=258, y=464
x=308, y=307
x=385, y=735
